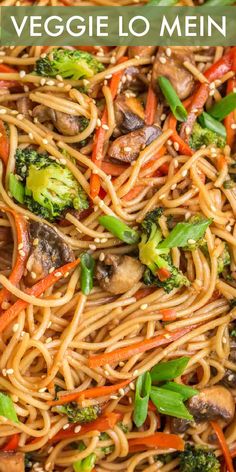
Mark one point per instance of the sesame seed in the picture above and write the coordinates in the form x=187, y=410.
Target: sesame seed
x=92, y=247
x=212, y=85
x=2, y=111
x=113, y=60
x=22, y=74
x=101, y=256
x=191, y=241
x=33, y=275
x=212, y=93
x=48, y=340
x=5, y=305
x=213, y=208
x=42, y=81
x=4, y=372
x=176, y=164
x=42, y=390
x=187, y=130
x=45, y=141
x=22, y=253
x=9, y=371
x=106, y=373
x=86, y=82
x=103, y=240
x=230, y=377
x=77, y=429
x=20, y=116
x=163, y=116
x=162, y=60
x=58, y=274
x=2, y=53
x=135, y=372
x=114, y=397
x=106, y=127
x=35, y=242
x=184, y=173
x=173, y=187
x=176, y=146
x=97, y=240
x=51, y=270
x=144, y=306
x=228, y=228
x=168, y=52
x=187, y=215
x=233, y=126
x=99, y=123
x=127, y=149
x=121, y=364
x=167, y=336
x=50, y=82
x=31, y=136
x=121, y=392
x=162, y=196
x=20, y=246
x=132, y=386
x=15, y=327
x=169, y=142
x=59, y=77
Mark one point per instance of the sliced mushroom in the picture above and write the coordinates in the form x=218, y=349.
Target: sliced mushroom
x=24, y=106
x=12, y=462
x=118, y=274
x=66, y=124
x=173, y=69
x=48, y=251
x=127, y=148
x=129, y=113
x=178, y=425
x=131, y=80
x=212, y=403
x=141, y=51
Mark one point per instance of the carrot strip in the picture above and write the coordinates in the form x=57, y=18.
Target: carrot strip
x=221, y=67
x=4, y=143
x=107, y=421
x=22, y=252
x=229, y=120
x=183, y=146
x=198, y=101
x=9, y=315
x=89, y=393
x=224, y=446
x=168, y=314
x=133, y=193
x=100, y=134
x=163, y=274
x=151, y=105
x=5, y=69
x=12, y=443
x=113, y=169
x=157, y=440
x=136, y=348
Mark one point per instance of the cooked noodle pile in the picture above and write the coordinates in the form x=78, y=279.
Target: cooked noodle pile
x=48, y=342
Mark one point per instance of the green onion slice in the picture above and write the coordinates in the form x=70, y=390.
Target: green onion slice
x=207, y=121
x=87, y=264
x=142, y=393
x=224, y=107
x=7, y=408
x=169, y=370
x=172, y=99
x=119, y=229
x=169, y=403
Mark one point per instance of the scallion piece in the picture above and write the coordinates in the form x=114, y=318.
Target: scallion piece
x=142, y=393
x=185, y=391
x=183, y=232
x=207, y=121
x=87, y=271
x=218, y=3
x=224, y=107
x=85, y=465
x=119, y=229
x=169, y=370
x=7, y=408
x=16, y=188
x=169, y=403
x=162, y=3
x=172, y=99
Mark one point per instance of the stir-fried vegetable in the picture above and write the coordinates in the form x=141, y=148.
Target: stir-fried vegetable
x=85, y=465
x=185, y=391
x=4, y=143
x=12, y=443
x=87, y=264
x=80, y=415
x=198, y=459
x=207, y=121
x=157, y=440
x=169, y=403
x=7, y=409
x=47, y=187
x=224, y=446
x=218, y=3
x=142, y=393
x=226, y=105
x=205, y=137
x=68, y=64
x=162, y=3
x=119, y=229
x=169, y=370
x=172, y=99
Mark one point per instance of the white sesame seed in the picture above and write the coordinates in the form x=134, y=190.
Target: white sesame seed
x=15, y=327
x=176, y=146
x=191, y=241
x=22, y=253
x=212, y=93
x=77, y=429
x=99, y=123
x=187, y=215
x=103, y=240
x=5, y=305
x=132, y=386
x=213, y=208
x=92, y=247
x=176, y=164
x=22, y=74
x=228, y=228
x=233, y=126
x=162, y=60
x=121, y=364
x=10, y=371
x=42, y=390
x=173, y=187
x=2, y=111
x=2, y=53
x=20, y=246
x=20, y=116
x=121, y=391
x=50, y=82
x=163, y=116
x=169, y=142
x=113, y=60
x=135, y=372
x=168, y=52
x=187, y=130
x=212, y=85
x=52, y=268
x=127, y=149
x=58, y=274
x=184, y=173
x=4, y=372
x=162, y=196
x=45, y=141
x=31, y=136
x=106, y=127
x=101, y=256
x=33, y=275
x=48, y=340
x=144, y=306
x=42, y=81
x=114, y=397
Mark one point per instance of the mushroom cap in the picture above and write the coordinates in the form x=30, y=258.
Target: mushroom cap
x=118, y=274
x=212, y=403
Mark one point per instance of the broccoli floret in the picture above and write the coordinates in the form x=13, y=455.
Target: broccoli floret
x=68, y=64
x=155, y=258
x=204, y=136
x=166, y=458
x=80, y=415
x=223, y=261
x=198, y=459
x=49, y=187
x=105, y=437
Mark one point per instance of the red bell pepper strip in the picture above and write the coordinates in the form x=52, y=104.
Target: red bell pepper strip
x=198, y=101
x=93, y=392
x=22, y=252
x=9, y=315
x=12, y=443
x=224, y=446
x=151, y=106
x=229, y=120
x=99, y=138
x=4, y=143
x=222, y=66
x=124, y=353
x=104, y=422
x=157, y=440
x=5, y=69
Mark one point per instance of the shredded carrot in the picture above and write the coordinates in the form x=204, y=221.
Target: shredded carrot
x=100, y=134
x=229, y=120
x=221, y=67
x=9, y=315
x=103, y=423
x=126, y=352
x=113, y=169
x=4, y=143
x=168, y=314
x=133, y=193
x=151, y=106
x=22, y=252
x=183, y=146
x=12, y=443
x=157, y=440
x=89, y=393
x=163, y=274
x=224, y=446
x=198, y=101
